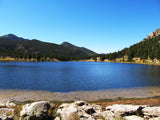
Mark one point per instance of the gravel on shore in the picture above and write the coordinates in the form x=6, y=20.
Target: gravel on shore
x=26, y=95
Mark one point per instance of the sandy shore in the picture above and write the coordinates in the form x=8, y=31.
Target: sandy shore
x=25, y=95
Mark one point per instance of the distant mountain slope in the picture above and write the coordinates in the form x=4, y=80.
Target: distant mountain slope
x=149, y=48
x=83, y=49
x=11, y=45
x=11, y=36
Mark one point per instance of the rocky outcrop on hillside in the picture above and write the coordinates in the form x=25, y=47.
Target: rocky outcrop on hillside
x=154, y=34
x=79, y=110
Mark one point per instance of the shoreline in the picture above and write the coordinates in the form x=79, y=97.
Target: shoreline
x=110, y=94
x=155, y=64
x=18, y=104
x=138, y=63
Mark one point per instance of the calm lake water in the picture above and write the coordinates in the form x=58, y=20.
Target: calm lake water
x=76, y=76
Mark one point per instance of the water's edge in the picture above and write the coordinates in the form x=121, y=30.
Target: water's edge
x=25, y=95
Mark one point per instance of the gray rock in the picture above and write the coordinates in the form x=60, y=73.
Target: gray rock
x=36, y=111
x=122, y=110
x=7, y=111
x=2, y=104
x=10, y=104
x=7, y=104
x=65, y=110
x=108, y=115
x=80, y=103
x=57, y=118
x=78, y=110
x=89, y=110
x=151, y=111
x=133, y=117
x=154, y=34
x=155, y=118
x=4, y=117
x=157, y=32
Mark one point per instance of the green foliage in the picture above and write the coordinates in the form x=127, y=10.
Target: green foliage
x=17, y=111
x=84, y=50
x=41, y=51
x=149, y=48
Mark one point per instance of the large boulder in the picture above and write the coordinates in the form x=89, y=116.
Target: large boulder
x=154, y=34
x=133, y=117
x=7, y=104
x=2, y=104
x=151, y=111
x=35, y=111
x=78, y=110
x=122, y=110
x=108, y=115
x=65, y=110
x=80, y=103
x=4, y=117
x=155, y=118
x=57, y=118
x=10, y=104
x=6, y=110
x=6, y=113
x=157, y=32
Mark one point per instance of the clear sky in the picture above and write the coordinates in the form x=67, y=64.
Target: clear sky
x=101, y=25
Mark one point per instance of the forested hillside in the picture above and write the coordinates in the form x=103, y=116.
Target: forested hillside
x=83, y=49
x=15, y=47
x=149, y=48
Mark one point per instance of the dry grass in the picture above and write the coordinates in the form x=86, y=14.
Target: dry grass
x=17, y=111
x=74, y=116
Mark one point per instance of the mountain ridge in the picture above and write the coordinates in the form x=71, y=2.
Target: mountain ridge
x=18, y=47
x=11, y=36
x=83, y=49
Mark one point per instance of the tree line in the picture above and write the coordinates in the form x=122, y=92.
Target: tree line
x=148, y=48
x=38, y=56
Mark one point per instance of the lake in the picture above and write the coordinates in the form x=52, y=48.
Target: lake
x=76, y=76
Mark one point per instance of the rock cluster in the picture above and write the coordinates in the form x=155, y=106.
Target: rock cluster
x=83, y=111
x=7, y=110
x=79, y=110
x=154, y=34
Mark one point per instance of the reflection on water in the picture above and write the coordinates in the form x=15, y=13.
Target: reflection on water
x=75, y=76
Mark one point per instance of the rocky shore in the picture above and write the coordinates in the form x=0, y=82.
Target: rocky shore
x=115, y=104
x=78, y=110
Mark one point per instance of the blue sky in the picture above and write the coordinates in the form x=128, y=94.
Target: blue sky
x=101, y=25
